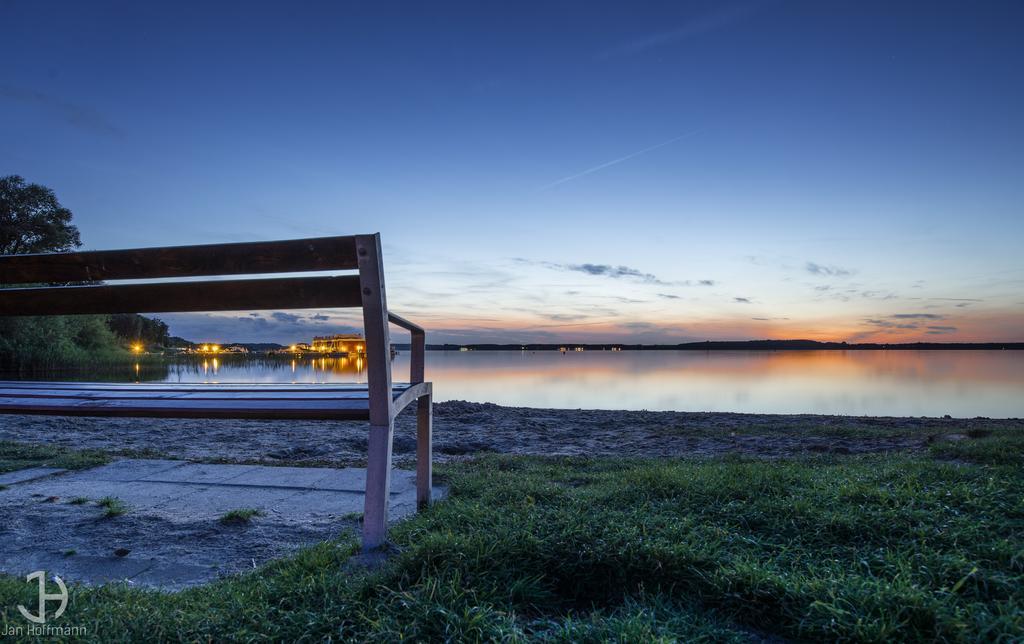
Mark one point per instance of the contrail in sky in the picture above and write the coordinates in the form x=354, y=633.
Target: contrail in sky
x=617, y=161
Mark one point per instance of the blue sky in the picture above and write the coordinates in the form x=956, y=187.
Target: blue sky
x=656, y=172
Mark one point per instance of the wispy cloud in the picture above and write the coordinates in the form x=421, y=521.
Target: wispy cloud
x=281, y=316
x=613, y=271
x=699, y=26
x=668, y=296
x=80, y=116
x=912, y=322
x=741, y=300
x=961, y=302
x=273, y=326
x=609, y=164
x=568, y=324
x=878, y=295
x=826, y=270
x=564, y=317
x=889, y=324
x=848, y=292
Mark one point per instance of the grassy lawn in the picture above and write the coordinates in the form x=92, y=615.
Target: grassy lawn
x=848, y=548
x=17, y=456
x=843, y=427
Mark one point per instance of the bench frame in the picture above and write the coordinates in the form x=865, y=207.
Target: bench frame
x=82, y=270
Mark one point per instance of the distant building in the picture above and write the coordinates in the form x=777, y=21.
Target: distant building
x=206, y=348
x=350, y=343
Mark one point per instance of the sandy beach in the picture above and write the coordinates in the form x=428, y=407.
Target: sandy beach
x=462, y=429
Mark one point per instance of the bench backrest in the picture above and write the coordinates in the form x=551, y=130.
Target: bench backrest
x=356, y=252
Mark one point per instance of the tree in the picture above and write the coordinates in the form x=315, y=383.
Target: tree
x=138, y=329
x=32, y=220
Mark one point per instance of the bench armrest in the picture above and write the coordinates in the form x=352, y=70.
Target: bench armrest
x=419, y=346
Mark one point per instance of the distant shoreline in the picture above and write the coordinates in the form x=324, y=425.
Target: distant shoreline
x=751, y=345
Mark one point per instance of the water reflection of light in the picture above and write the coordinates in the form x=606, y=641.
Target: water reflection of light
x=335, y=369
x=137, y=367
x=847, y=382
x=960, y=383
x=209, y=366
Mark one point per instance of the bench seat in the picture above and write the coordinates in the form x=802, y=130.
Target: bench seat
x=106, y=282
x=198, y=400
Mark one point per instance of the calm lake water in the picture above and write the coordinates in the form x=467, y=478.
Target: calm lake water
x=883, y=383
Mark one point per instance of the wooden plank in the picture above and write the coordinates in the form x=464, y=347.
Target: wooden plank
x=294, y=255
x=382, y=422
x=378, y=483
x=193, y=403
x=418, y=346
x=418, y=357
x=193, y=386
x=396, y=319
x=411, y=393
x=198, y=386
x=224, y=295
x=322, y=410
x=185, y=395
x=424, y=451
x=375, y=327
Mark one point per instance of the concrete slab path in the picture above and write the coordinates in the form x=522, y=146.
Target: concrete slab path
x=171, y=535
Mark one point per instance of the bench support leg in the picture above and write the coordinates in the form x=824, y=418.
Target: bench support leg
x=378, y=486
x=424, y=451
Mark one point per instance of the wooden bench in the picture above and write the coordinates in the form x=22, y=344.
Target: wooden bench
x=379, y=401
